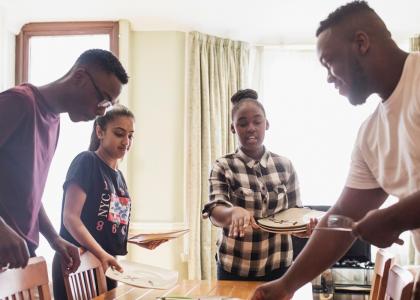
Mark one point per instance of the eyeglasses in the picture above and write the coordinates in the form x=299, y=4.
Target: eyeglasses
x=102, y=101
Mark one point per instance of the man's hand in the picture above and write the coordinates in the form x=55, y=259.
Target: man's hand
x=69, y=253
x=240, y=219
x=375, y=228
x=272, y=291
x=13, y=249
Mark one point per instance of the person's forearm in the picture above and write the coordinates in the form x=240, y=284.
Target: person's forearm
x=79, y=232
x=326, y=246
x=45, y=226
x=405, y=214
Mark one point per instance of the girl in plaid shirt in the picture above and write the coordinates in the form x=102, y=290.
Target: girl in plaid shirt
x=248, y=184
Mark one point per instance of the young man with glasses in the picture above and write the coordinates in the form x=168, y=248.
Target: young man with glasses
x=29, y=130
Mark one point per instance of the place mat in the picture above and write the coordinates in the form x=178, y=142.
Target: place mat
x=290, y=219
x=142, y=275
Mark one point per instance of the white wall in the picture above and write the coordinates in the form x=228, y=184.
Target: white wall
x=7, y=54
x=155, y=163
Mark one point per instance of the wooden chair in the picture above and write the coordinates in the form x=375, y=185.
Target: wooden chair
x=400, y=284
x=28, y=283
x=383, y=262
x=88, y=281
x=416, y=289
x=415, y=270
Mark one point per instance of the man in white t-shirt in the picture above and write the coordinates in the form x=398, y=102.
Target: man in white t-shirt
x=361, y=58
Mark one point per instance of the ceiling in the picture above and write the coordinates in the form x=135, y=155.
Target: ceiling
x=261, y=22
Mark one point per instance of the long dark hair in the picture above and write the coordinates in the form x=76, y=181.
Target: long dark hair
x=117, y=110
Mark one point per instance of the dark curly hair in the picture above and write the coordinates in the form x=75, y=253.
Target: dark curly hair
x=244, y=95
x=342, y=12
x=103, y=60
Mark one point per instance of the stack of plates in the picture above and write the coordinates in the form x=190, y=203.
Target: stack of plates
x=292, y=220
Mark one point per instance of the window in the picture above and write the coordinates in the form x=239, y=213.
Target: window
x=58, y=29
x=310, y=123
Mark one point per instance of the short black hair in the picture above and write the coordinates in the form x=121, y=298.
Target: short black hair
x=104, y=60
x=343, y=11
x=246, y=94
x=242, y=94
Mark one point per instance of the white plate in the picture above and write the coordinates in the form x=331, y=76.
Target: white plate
x=142, y=275
x=291, y=218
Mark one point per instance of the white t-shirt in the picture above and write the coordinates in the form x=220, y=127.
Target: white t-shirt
x=387, y=149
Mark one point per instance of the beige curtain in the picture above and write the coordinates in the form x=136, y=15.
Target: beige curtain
x=216, y=69
x=415, y=43
x=414, y=256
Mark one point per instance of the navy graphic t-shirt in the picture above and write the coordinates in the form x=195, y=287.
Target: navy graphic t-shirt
x=106, y=212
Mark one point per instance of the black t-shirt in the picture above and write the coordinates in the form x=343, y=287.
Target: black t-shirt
x=106, y=212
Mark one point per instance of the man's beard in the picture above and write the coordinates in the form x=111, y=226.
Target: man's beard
x=357, y=92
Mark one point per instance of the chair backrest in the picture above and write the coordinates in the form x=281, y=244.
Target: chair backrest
x=416, y=288
x=400, y=284
x=415, y=271
x=88, y=281
x=383, y=262
x=28, y=283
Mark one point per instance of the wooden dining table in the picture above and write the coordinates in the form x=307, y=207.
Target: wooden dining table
x=194, y=289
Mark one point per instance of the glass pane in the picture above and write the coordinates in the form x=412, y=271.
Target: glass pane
x=50, y=57
x=310, y=123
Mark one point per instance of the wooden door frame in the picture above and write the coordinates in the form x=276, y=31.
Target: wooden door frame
x=56, y=29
